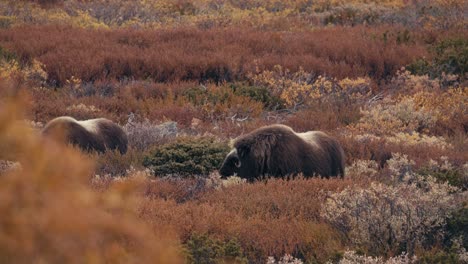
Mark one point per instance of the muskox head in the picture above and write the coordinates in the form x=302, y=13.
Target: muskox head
x=242, y=162
x=231, y=164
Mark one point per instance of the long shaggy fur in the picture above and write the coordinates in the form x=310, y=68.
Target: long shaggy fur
x=91, y=135
x=278, y=151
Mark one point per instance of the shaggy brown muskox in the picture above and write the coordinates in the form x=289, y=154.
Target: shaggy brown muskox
x=93, y=134
x=278, y=151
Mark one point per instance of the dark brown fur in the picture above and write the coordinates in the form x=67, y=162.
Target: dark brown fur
x=90, y=135
x=278, y=151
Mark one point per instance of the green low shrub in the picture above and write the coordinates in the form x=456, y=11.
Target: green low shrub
x=450, y=57
x=259, y=94
x=6, y=55
x=6, y=21
x=439, y=257
x=187, y=156
x=453, y=176
x=457, y=226
x=203, y=249
x=419, y=67
x=200, y=96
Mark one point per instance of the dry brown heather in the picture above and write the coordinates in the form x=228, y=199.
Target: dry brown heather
x=267, y=219
x=215, y=54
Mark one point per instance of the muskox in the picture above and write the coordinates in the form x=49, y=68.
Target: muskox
x=90, y=135
x=278, y=151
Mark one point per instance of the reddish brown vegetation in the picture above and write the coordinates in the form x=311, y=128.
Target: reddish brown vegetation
x=193, y=54
x=381, y=150
x=148, y=100
x=204, y=80
x=270, y=218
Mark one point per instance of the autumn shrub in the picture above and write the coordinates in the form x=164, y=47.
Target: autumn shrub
x=82, y=111
x=379, y=148
x=363, y=170
x=6, y=21
x=445, y=172
x=440, y=257
x=204, y=249
x=7, y=165
x=47, y=3
x=365, y=147
x=294, y=88
x=271, y=15
x=286, y=259
x=49, y=213
x=303, y=89
x=5, y=55
x=450, y=57
x=259, y=94
x=421, y=149
x=353, y=14
x=315, y=118
x=115, y=164
x=352, y=257
x=220, y=103
x=416, y=138
x=187, y=156
x=447, y=109
x=456, y=224
x=403, y=116
x=228, y=54
x=23, y=74
x=408, y=84
x=158, y=103
x=144, y=135
x=324, y=116
x=267, y=219
x=407, y=214
x=390, y=218
x=178, y=190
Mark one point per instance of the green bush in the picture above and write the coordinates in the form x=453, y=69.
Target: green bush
x=6, y=21
x=457, y=225
x=450, y=56
x=200, y=96
x=419, y=67
x=439, y=257
x=187, y=156
x=203, y=249
x=259, y=94
x=453, y=176
x=5, y=55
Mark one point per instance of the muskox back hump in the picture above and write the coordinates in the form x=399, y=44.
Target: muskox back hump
x=312, y=137
x=91, y=125
x=112, y=135
x=68, y=130
x=83, y=138
x=336, y=154
x=330, y=150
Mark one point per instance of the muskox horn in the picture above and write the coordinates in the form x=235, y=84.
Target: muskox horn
x=235, y=158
